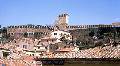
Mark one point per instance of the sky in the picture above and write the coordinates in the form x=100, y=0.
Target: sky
x=44, y=12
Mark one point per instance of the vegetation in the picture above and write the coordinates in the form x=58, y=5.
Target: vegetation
x=5, y=37
x=38, y=35
x=103, y=35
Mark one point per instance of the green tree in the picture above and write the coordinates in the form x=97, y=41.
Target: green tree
x=64, y=40
x=38, y=35
x=91, y=34
x=4, y=32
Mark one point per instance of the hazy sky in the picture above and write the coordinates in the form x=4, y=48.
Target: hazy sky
x=42, y=12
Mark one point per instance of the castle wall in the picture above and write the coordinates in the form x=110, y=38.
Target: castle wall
x=18, y=31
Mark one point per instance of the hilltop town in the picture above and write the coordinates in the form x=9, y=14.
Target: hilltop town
x=22, y=44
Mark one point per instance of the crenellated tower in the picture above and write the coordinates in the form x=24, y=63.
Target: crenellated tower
x=62, y=21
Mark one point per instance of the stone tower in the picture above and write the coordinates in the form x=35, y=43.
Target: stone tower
x=62, y=21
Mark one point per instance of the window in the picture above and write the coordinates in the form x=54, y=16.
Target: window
x=11, y=33
x=17, y=45
x=25, y=46
x=32, y=54
x=38, y=47
x=55, y=33
x=52, y=40
x=61, y=34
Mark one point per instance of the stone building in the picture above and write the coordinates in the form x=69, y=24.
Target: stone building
x=62, y=21
x=31, y=31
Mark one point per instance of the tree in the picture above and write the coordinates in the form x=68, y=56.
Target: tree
x=91, y=34
x=64, y=40
x=4, y=32
x=38, y=35
x=99, y=43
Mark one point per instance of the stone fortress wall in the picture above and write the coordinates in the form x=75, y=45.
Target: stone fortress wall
x=61, y=24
